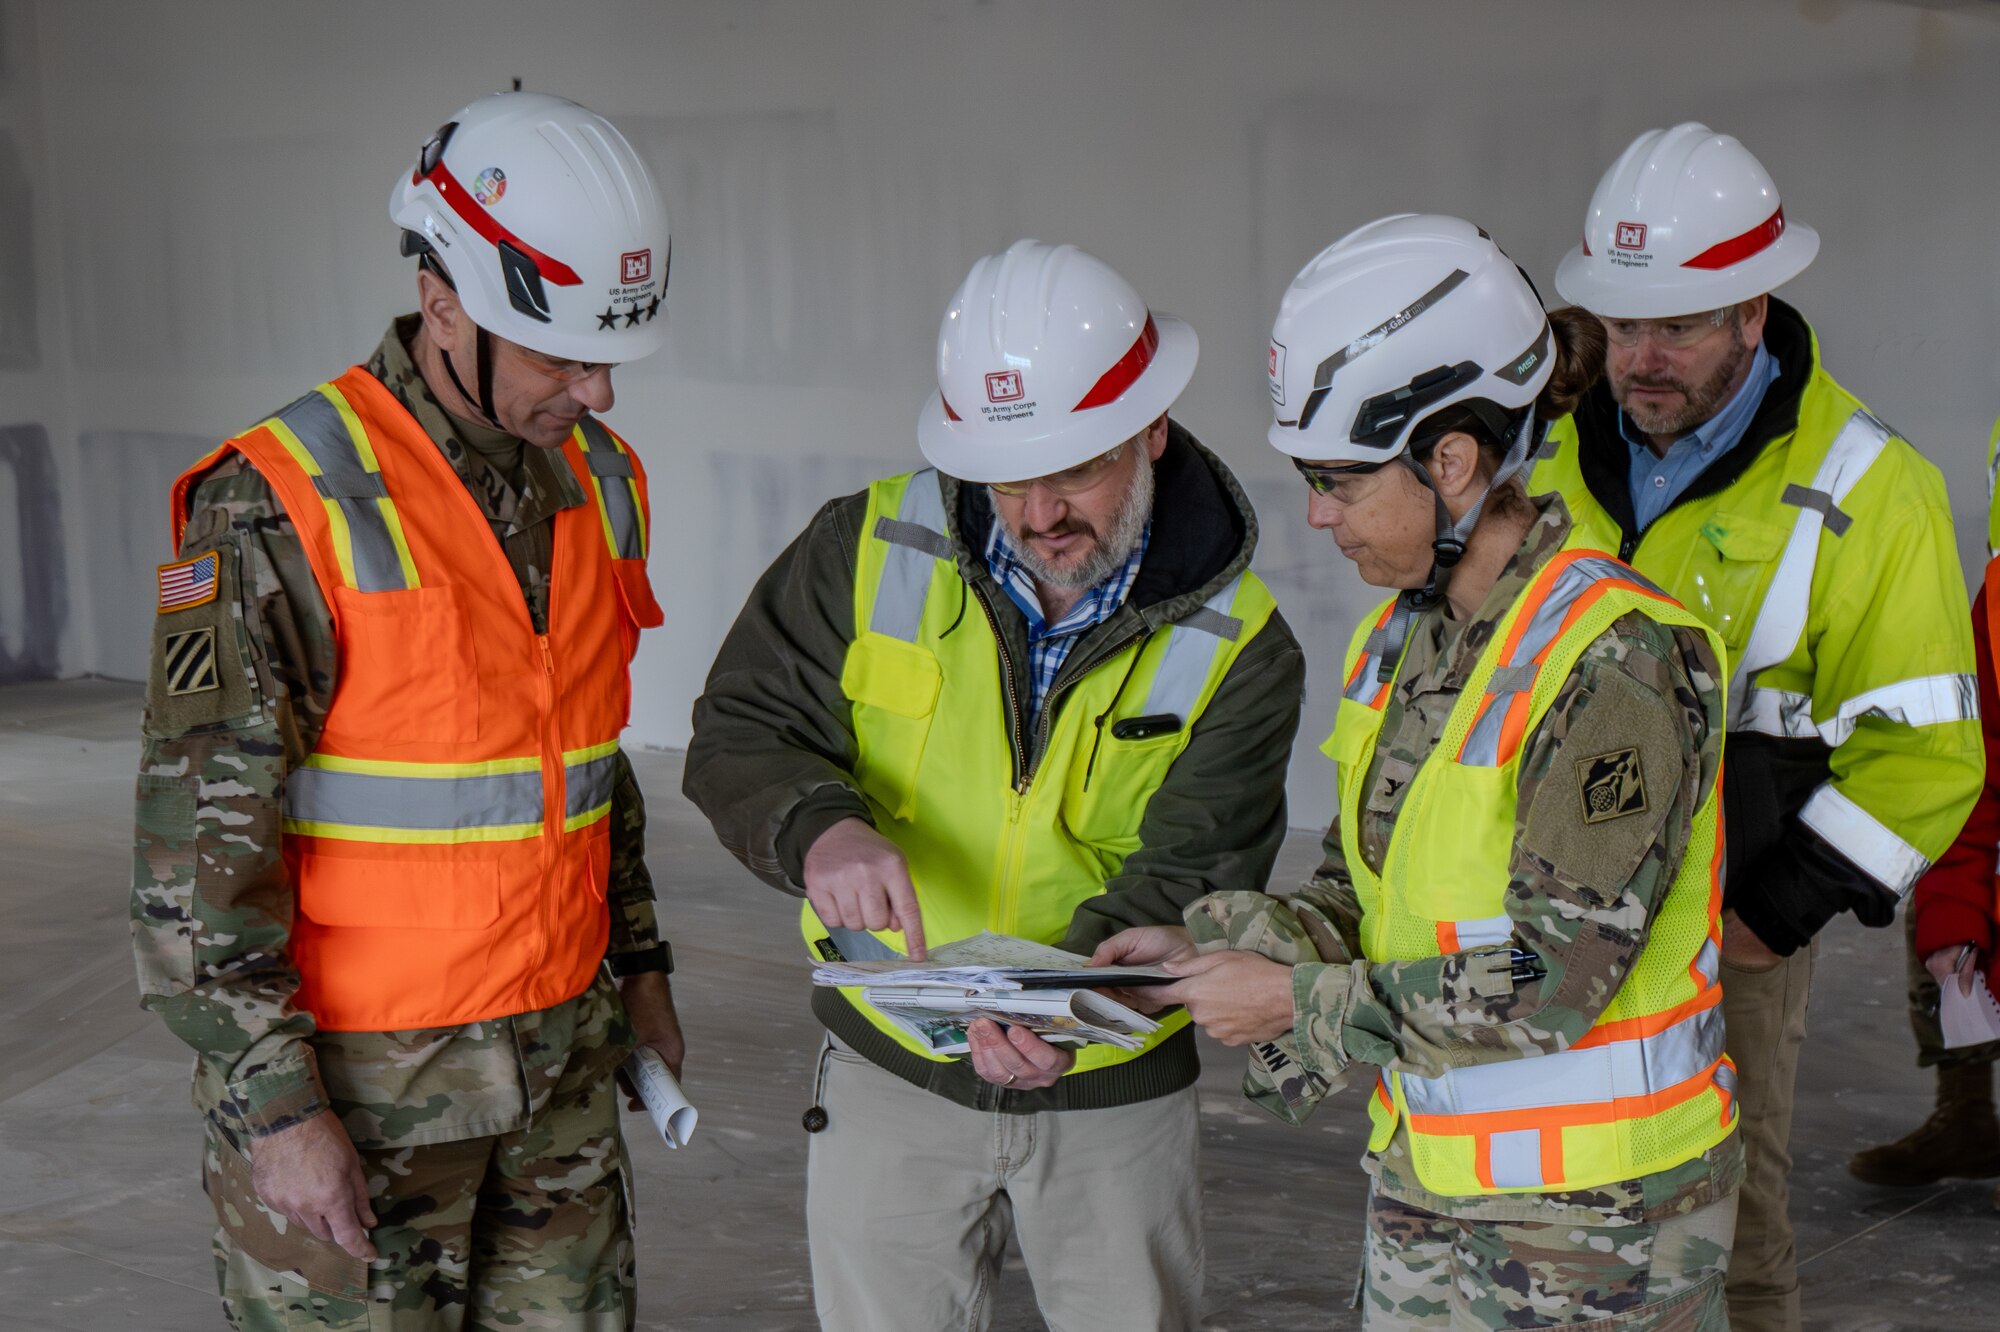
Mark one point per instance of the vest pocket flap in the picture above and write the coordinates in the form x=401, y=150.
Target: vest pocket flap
x=1354, y=727
x=346, y=892
x=381, y=697
x=892, y=675
x=1739, y=536
x=635, y=591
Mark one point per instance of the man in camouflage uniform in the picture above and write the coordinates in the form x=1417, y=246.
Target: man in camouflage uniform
x=436, y=1178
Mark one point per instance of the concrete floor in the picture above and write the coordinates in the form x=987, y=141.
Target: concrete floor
x=103, y=1224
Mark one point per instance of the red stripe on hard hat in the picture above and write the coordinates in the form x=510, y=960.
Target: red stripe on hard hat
x=1738, y=248
x=949, y=414
x=475, y=216
x=1120, y=376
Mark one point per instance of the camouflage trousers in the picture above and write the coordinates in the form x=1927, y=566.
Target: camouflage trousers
x=1425, y=1270
x=530, y=1229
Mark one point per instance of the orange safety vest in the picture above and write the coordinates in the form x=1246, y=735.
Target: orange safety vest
x=448, y=840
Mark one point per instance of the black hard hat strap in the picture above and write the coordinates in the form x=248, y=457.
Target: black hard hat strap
x=483, y=372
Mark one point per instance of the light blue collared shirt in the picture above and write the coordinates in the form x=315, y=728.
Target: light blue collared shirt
x=1657, y=482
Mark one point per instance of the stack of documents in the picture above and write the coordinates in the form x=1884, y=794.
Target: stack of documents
x=1013, y=981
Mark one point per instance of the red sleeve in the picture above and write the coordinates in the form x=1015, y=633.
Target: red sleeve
x=1955, y=902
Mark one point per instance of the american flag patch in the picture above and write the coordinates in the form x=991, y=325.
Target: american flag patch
x=190, y=583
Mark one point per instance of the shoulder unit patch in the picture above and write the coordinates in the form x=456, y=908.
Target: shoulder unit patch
x=1611, y=786
x=190, y=662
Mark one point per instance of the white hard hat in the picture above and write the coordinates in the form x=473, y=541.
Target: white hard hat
x=547, y=225
x=1685, y=221
x=1047, y=358
x=1393, y=322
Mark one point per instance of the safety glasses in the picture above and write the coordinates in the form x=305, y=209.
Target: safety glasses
x=1070, y=481
x=1335, y=482
x=1675, y=334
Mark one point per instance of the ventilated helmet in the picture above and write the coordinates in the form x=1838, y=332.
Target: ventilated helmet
x=1390, y=325
x=1392, y=322
x=546, y=223
x=1686, y=220
x=1047, y=358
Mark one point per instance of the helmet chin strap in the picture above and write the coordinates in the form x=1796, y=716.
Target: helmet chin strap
x=482, y=370
x=1448, y=547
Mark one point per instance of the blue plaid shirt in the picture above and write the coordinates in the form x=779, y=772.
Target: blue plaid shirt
x=1049, y=644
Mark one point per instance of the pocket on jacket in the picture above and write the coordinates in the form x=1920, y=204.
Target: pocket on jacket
x=894, y=687
x=1112, y=781
x=409, y=670
x=1726, y=576
x=368, y=892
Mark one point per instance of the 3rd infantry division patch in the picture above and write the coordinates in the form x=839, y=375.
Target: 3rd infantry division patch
x=1611, y=786
x=190, y=662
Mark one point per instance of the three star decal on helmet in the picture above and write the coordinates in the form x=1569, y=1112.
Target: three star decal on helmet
x=633, y=317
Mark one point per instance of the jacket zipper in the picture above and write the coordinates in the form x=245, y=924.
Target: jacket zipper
x=1006, y=907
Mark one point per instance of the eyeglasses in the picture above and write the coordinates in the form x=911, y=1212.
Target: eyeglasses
x=1676, y=334
x=552, y=367
x=1335, y=482
x=1070, y=481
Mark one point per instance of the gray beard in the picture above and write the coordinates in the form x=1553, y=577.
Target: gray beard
x=1108, y=552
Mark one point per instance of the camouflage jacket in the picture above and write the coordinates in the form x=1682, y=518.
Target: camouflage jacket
x=1580, y=904
x=211, y=901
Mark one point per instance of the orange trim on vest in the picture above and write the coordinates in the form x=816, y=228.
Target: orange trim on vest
x=447, y=839
x=1487, y=1122
x=1514, y=727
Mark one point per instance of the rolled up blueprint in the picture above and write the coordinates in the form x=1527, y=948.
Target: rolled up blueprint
x=666, y=1104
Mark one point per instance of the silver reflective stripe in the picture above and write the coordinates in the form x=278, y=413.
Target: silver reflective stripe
x=1375, y=650
x=587, y=785
x=613, y=469
x=1708, y=960
x=442, y=804
x=1482, y=744
x=1600, y=1073
x=906, y=570
x=1516, y=1159
x=1930, y=700
x=1192, y=645
x=347, y=482
x=1547, y=621
x=1861, y=837
x=1788, y=600
x=1484, y=932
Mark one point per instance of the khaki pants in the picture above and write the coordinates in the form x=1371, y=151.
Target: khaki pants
x=909, y=1199
x=1430, y=1271
x=1765, y=1012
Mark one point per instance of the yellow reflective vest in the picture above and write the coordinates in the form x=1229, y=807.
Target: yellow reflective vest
x=1648, y=1087
x=1829, y=569
x=930, y=690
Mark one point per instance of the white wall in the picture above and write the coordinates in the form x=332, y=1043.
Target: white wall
x=207, y=181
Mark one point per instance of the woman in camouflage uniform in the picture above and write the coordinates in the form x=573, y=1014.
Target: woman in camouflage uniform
x=1517, y=917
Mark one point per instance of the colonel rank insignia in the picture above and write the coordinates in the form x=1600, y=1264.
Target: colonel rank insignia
x=190, y=662
x=1611, y=786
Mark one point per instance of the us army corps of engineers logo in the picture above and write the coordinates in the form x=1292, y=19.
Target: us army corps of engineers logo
x=1611, y=786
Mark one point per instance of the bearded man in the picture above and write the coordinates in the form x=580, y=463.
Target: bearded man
x=1033, y=689
x=1720, y=458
